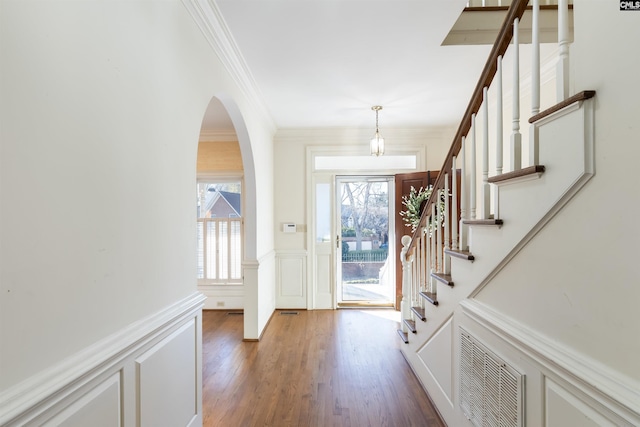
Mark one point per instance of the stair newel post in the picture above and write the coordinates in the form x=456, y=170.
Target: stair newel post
x=562, y=70
x=486, y=189
x=473, y=170
x=406, y=279
x=447, y=226
x=516, y=137
x=454, y=205
x=499, y=136
x=535, y=82
x=463, y=196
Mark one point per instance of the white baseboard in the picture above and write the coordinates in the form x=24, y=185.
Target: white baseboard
x=101, y=382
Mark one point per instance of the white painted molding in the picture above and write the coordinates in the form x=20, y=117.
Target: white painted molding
x=588, y=170
x=209, y=19
x=47, y=388
x=291, y=252
x=619, y=393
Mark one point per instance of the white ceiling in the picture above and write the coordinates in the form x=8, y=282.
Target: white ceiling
x=324, y=63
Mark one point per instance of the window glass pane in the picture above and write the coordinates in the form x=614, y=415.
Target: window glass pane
x=219, y=200
x=362, y=163
x=212, y=243
x=219, y=232
x=235, y=252
x=200, y=249
x=323, y=212
x=223, y=250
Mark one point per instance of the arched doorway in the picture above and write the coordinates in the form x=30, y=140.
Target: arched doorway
x=226, y=212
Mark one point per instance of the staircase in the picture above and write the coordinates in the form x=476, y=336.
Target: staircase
x=460, y=247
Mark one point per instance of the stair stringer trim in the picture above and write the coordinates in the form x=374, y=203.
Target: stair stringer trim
x=445, y=406
x=587, y=173
x=451, y=299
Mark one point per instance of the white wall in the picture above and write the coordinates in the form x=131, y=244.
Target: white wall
x=101, y=109
x=292, y=175
x=576, y=281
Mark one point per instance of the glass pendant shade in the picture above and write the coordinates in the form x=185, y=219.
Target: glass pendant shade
x=377, y=142
x=377, y=145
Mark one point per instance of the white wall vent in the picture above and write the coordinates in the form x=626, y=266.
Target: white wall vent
x=491, y=392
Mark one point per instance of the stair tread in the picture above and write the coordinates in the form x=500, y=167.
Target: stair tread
x=419, y=311
x=530, y=170
x=410, y=324
x=496, y=222
x=443, y=278
x=430, y=296
x=404, y=336
x=460, y=254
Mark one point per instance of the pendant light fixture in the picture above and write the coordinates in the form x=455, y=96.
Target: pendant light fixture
x=377, y=142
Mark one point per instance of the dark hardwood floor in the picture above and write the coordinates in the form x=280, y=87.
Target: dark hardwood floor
x=316, y=368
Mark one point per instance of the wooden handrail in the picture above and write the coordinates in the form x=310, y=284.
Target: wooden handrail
x=516, y=10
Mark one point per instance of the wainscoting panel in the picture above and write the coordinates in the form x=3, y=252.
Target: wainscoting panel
x=437, y=357
x=167, y=381
x=98, y=408
x=563, y=408
x=563, y=387
x=291, y=276
x=148, y=374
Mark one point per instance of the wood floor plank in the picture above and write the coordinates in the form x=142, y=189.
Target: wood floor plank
x=317, y=368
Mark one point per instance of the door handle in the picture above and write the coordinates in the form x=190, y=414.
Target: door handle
x=338, y=241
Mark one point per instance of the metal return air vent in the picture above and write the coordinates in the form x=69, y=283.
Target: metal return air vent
x=491, y=392
x=288, y=313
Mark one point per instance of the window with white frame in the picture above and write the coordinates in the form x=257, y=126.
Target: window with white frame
x=220, y=232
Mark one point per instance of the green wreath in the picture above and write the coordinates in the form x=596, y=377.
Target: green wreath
x=413, y=202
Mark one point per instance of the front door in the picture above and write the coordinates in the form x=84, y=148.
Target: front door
x=365, y=241
x=404, y=182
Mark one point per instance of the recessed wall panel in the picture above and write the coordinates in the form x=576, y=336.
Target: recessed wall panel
x=166, y=377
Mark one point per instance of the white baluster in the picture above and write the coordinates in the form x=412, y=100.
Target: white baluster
x=423, y=259
x=472, y=172
x=454, y=205
x=499, y=114
x=439, y=244
x=433, y=246
x=535, y=81
x=428, y=259
x=486, y=190
x=447, y=226
x=516, y=137
x=463, y=196
x=562, y=71
x=499, y=136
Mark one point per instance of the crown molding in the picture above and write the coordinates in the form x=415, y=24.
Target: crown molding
x=209, y=19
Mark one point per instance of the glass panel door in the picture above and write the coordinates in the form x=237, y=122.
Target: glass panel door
x=365, y=261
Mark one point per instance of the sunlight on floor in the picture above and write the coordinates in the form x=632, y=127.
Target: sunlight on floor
x=388, y=313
